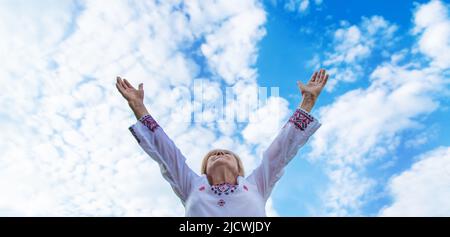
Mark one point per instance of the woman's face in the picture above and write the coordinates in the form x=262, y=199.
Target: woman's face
x=219, y=159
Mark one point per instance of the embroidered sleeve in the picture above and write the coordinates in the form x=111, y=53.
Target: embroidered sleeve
x=294, y=134
x=301, y=119
x=155, y=142
x=149, y=122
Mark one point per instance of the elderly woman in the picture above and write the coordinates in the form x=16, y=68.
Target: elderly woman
x=222, y=189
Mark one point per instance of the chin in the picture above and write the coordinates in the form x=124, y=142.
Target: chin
x=220, y=164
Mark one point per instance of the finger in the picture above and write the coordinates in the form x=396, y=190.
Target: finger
x=128, y=84
x=300, y=85
x=318, y=76
x=322, y=74
x=314, y=77
x=121, y=83
x=118, y=84
x=118, y=80
x=119, y=88
x=325, y=80
x=325, y=76
x=124, y=84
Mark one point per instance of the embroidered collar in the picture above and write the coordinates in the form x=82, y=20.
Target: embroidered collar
x=224, y=188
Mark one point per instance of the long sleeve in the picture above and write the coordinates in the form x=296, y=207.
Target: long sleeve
x=294, y=134
x=155, y=142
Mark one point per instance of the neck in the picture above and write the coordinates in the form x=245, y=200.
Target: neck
x=222, y=176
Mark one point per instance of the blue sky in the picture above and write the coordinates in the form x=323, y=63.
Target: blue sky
x=383, y=148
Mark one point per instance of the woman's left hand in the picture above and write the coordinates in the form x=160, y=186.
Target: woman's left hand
x=314, y=85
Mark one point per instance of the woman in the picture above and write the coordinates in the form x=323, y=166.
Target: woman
x=222, y=189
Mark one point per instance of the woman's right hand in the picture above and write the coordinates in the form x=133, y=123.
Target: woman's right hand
x=132, y=95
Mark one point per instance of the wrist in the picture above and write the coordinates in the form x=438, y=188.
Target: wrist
x=308, y=101
x=309, y=96
x=136, y=104
x=138, y=108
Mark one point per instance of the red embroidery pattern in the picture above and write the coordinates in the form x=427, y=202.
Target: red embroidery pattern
x=221, y=202
x=224, y=188
x=201, y=188
x=245, y=187
x=301, y=119
x=149, y=122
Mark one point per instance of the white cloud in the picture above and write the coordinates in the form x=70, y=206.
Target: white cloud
x=362, y=118
x=352, y=45
x=266, y=122
x=422, y=190
x=433, y=26
x=65, y=148
x=304, y=5
x=364, y=125
x=300, y=6
x=346, y=192
x=423, y=138
x=228, y=54
x=427, y=15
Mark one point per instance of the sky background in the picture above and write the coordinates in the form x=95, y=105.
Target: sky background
x=383, y=148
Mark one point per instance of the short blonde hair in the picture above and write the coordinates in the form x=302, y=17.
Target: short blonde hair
x=212, y=152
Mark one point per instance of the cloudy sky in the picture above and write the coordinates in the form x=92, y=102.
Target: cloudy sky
x=383, y=148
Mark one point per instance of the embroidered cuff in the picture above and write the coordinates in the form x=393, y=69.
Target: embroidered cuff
x=301, y=119
x=149, y=122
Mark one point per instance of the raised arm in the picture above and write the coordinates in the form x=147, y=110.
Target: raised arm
x=155, y=142
x=294, y=134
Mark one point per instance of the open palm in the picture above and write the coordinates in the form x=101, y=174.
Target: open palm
x=129, y=92
x=315, y=84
